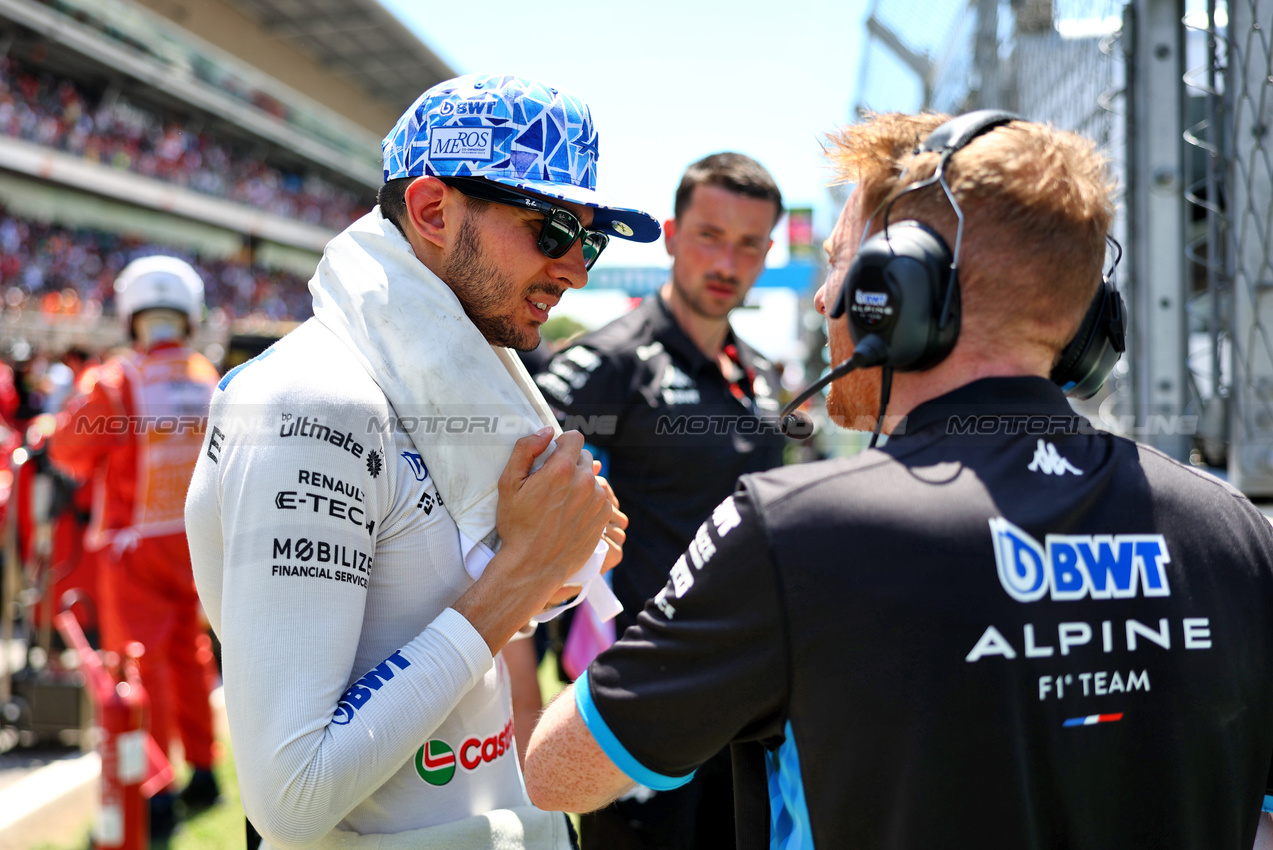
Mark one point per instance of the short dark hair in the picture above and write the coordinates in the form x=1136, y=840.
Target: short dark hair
x=735, y=172
x=392, y=199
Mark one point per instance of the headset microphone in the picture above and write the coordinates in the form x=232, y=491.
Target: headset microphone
x=870, y=351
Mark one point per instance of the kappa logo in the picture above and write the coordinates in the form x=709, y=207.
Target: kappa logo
x=1074, y=566
x=417, y=465
x=374, y=463
x=1049, y=461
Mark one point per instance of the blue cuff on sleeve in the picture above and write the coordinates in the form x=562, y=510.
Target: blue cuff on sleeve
x=1268, y=801
x=613, y=749
x=602, y=455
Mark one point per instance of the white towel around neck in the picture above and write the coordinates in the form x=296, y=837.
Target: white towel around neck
x=463, y=401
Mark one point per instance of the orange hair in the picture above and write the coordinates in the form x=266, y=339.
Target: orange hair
x=1037, y=204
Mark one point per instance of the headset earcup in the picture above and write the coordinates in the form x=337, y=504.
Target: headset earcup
x=896, y=289
x=1088, y=359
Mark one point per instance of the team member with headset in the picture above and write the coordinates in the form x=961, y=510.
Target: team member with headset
x=1003, y=628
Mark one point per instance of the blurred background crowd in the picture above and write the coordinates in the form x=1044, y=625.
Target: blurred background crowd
x=53, y=111
x=62, y=272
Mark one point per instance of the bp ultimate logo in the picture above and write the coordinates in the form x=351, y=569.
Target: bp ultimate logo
x=1078, y=566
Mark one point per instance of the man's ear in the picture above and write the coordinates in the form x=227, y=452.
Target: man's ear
x=430, y=203
x=669, y=236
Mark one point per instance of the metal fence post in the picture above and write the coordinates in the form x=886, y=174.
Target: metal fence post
x=1156, y=214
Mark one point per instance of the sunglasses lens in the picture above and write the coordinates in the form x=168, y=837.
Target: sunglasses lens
x=593, y=244
x=559, y=232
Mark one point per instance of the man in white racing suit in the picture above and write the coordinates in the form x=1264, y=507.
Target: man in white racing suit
x=339, y=514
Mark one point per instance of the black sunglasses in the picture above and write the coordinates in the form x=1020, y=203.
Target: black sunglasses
x=560, y=229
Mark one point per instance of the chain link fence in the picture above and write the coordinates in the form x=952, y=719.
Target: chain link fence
x=1061, y=62
x=1237, y=257
x=1198, y=377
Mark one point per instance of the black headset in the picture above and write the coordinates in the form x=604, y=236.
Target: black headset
x=901, y=295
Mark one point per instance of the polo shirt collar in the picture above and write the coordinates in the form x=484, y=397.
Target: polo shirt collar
x=1025, y=396
x=664, y=328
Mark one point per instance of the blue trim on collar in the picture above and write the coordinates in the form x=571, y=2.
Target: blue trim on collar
x=230, y=376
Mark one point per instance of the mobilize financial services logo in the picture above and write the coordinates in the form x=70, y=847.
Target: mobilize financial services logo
x=436, y=761
x=1078, y=566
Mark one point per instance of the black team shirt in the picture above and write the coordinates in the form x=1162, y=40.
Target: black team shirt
x=674, y=432
x=1005, y=629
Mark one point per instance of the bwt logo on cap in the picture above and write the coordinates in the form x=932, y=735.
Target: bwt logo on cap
x=460, y=143
x=1075, y=566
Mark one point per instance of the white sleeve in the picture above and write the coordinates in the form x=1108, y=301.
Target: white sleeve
x=307, y=748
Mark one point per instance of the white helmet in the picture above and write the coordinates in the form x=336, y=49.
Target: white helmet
x=159, y=282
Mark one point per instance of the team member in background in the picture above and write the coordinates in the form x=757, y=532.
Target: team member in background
x=1005, y=628
x=135, y=433
x=633, y=387
x=361, y=618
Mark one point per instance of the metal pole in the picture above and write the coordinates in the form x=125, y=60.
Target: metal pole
x=1156, y=212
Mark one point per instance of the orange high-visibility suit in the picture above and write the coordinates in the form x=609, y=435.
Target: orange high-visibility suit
x=136, y=433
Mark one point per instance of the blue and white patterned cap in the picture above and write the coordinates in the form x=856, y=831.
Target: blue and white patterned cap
x=513, y=131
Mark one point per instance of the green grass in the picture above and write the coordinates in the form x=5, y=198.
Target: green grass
x=549, y=684
x=221, y=826
x=218, y=828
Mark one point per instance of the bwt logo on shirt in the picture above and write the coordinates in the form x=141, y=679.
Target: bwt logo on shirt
x=1076, y=566
x=364, y=689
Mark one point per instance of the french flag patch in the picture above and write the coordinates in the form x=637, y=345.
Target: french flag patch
x=1093, y=719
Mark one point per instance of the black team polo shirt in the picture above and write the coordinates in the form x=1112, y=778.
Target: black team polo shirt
x=670, y=429
x=1005, y=629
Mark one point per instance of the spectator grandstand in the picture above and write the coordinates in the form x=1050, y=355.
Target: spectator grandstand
x=50, y=110
x=198, y=128
x=58, y=271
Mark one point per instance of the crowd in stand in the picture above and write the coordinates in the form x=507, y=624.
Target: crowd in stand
x=48, y=110
x=56, y=270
